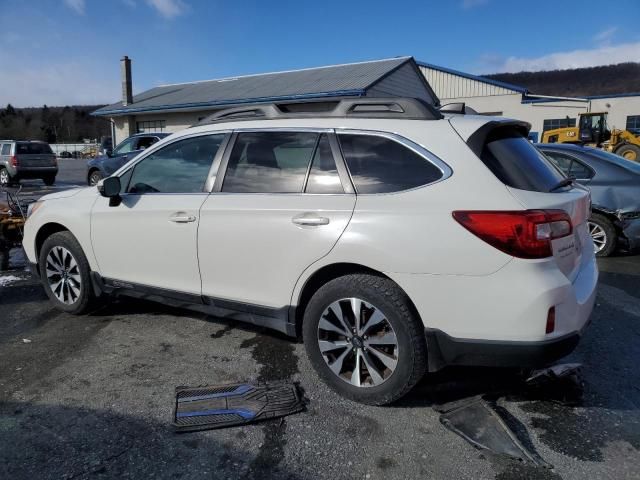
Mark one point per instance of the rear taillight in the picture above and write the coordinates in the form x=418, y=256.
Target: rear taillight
x=14, y=161
x=523, y=234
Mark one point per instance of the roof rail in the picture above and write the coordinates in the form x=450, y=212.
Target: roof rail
x=402, y=108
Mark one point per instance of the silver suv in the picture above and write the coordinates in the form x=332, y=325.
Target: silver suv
x=27, y=159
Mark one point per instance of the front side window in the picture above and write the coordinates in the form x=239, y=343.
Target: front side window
x=126, y=146
x=382, y=165
x=180, y=167
x=269, y=162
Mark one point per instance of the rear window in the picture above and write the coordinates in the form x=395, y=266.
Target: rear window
x=33, y=148
x=517, y=163
x=616, y=159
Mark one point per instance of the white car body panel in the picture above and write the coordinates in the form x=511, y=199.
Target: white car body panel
x=245, y=248
x=250, y=249
x=138, y=242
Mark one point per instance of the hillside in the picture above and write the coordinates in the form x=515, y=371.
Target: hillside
x=52, y=124
x=579, y=82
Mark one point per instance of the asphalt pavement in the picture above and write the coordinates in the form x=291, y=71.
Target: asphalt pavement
x=93, y=396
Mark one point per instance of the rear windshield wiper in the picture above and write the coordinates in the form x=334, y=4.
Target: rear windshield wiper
x=562, y=183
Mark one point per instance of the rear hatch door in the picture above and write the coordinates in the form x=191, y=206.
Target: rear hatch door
x=535, y=183
x=35, y=154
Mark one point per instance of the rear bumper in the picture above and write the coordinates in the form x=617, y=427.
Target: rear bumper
x=34, y=172
x=444, y=350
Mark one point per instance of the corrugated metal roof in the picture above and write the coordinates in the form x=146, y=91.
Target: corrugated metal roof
x=333, y=81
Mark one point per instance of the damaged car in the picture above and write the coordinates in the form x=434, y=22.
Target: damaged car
x=614, y=183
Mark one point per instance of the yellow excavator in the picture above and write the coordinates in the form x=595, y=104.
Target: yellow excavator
x=592, y=130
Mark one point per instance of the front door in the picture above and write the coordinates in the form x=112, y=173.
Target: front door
x=281, y=206
x=150, y=238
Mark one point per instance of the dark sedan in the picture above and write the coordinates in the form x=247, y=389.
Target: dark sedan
x=614, y=183
x=104, y=165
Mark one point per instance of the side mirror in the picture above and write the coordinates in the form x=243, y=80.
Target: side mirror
x=110, y=188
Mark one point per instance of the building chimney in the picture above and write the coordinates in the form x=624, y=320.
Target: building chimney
x=127, y=87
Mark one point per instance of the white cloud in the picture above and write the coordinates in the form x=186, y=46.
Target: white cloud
x=57, y=84
x=77, y=6
x=604, y=55
x=604, y=37
x=169, y=8
x=467, y=4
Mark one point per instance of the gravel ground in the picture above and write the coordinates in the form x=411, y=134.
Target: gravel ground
x=93, y=397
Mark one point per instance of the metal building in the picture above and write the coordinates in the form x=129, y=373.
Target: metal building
x=174, y=107
x=491, y=97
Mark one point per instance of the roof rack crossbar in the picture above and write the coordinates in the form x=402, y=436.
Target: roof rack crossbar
x=393, y=107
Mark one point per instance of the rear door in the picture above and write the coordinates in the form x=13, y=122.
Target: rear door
x=34, y=154
x=282, y=205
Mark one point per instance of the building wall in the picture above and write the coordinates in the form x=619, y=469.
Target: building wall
x=174, y=122
x=403, y=82
x=448, y=85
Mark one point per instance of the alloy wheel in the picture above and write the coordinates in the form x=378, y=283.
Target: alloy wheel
x=94, y=178
x=357, y=342
x=63, y=275
x=598, y=235
x=4, y=177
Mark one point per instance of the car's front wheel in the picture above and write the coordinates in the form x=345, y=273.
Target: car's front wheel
x=65, y=273
x=364, y=340
x=94, y=177
x=50, y=180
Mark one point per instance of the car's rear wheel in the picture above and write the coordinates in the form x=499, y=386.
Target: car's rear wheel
x=364, y=340
x=65, y=273
x=50, y=180
x=94, y=177
x=5, y=178
x=603, y=234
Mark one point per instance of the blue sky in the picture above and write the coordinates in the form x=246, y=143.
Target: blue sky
x=66, y=51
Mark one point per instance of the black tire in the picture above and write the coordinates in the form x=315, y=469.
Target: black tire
x=86, y=299
x=48, y=181
x=94, y=177
x=599, y=224
x=5, y=178
x=395, y=306
x=630, y=152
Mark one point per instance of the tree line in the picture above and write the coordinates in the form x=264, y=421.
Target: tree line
x=578, y=82
x=70, y=124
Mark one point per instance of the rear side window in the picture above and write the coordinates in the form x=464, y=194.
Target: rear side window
x=33, y=149
x=382, y=165
x=517, y=163
x=569, y=165
x=6, y=149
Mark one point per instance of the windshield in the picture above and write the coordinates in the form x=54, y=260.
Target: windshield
x=617, y=159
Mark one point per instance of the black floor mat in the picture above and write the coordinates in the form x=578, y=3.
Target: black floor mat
x=203, y=408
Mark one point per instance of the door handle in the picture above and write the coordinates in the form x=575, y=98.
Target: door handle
x=182, y=217
x=310, y=219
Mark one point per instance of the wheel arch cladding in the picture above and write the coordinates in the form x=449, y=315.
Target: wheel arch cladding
x=330, y=272
x=45, y=232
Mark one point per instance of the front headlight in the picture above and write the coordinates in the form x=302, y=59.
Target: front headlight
x=33, y=207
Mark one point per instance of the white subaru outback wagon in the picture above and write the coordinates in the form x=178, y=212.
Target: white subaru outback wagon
x=395, y=239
